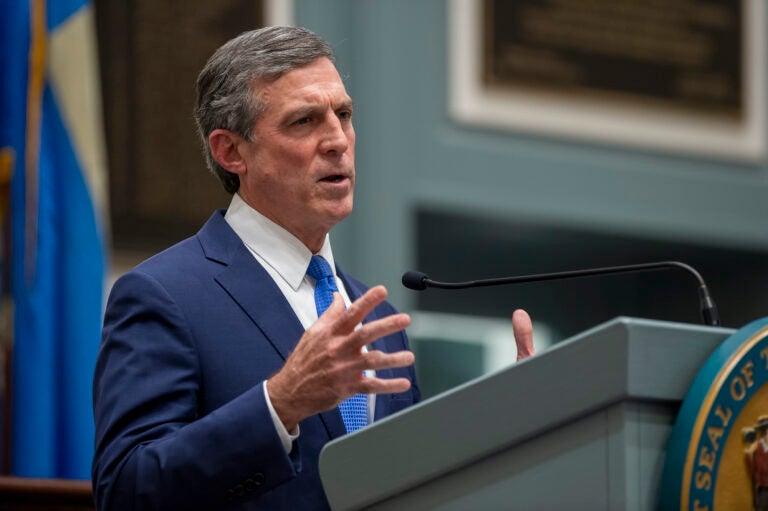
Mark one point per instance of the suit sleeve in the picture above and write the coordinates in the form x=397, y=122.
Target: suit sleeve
x=153, y=449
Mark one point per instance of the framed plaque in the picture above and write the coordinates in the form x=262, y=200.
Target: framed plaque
x=682, y=76
x=151, y=53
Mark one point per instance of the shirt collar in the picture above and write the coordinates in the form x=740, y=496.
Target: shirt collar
x=280, y=249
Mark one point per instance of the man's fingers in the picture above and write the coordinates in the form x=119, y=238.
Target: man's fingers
x=383, y=385
x=377, y=360
x=361, y=307
x=345, y=322
x=335, y=309
x=523, y=331
x=369, y=332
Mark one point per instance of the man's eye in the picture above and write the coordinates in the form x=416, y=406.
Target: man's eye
x=302, y=121
x=346, y=115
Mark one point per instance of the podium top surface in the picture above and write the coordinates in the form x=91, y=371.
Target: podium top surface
x=623, y=359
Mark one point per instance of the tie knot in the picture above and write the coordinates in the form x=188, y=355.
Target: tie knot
x=319, y=268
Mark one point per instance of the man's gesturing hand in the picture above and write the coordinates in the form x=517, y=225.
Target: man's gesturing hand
x=327, y=365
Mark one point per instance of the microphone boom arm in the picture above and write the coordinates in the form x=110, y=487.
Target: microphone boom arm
x=419, y=281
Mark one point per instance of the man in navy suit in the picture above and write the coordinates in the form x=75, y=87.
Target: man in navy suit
x=217, y=384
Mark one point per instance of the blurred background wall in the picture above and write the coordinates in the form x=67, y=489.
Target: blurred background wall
x=454, y=200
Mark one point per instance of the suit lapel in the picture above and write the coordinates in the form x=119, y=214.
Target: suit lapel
x=272, y=314
x=257, y=294
x=252, y=288
x=249, y=285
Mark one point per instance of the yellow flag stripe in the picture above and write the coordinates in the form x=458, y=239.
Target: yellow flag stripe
x=37, y=64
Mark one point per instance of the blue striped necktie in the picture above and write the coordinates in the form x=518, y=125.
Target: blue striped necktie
x=354, y=411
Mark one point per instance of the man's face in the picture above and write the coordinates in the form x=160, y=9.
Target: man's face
x=301, y=165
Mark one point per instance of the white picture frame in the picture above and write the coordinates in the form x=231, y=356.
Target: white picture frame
x=591, y=119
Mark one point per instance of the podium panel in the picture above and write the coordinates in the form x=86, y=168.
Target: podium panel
x=583, y=425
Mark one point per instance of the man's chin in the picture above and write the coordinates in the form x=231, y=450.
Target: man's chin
x=339, y=211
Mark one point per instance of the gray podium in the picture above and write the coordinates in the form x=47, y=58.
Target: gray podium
x=582, y=426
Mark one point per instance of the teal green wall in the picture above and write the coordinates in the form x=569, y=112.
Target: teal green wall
x=410, y=154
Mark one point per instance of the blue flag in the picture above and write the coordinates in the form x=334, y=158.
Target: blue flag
x=50, y=138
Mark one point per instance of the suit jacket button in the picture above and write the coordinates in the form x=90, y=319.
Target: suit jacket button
x=258, y=479
x=239, y=490
x=229, y=494
x=250, y=484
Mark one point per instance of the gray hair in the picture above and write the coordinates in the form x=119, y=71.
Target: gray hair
x=225, y=87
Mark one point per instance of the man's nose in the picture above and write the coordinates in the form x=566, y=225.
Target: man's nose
x=335, y=139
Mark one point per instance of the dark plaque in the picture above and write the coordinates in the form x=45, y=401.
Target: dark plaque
x=151, y=53
x=680, y=54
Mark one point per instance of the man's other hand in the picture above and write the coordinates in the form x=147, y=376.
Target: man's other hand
x=523, y=330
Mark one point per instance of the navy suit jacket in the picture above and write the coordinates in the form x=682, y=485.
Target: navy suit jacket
x=181, y=420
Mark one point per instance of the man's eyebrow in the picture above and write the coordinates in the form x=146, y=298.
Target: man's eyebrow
x=303, y=111
x=311, y=109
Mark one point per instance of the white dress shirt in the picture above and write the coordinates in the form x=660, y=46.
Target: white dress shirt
x=286, y=259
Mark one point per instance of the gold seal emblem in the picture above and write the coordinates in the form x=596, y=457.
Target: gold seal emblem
x=717, y=457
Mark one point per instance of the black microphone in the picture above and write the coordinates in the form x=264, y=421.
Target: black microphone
x=419, y=281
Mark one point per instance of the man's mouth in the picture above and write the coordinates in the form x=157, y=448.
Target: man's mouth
x=333, y=178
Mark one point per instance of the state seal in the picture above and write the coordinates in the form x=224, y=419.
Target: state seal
x=717, y=456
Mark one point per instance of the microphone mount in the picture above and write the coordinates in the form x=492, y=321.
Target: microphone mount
x=419, y=281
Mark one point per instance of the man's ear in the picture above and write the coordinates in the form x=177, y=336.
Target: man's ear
x=226, y=150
